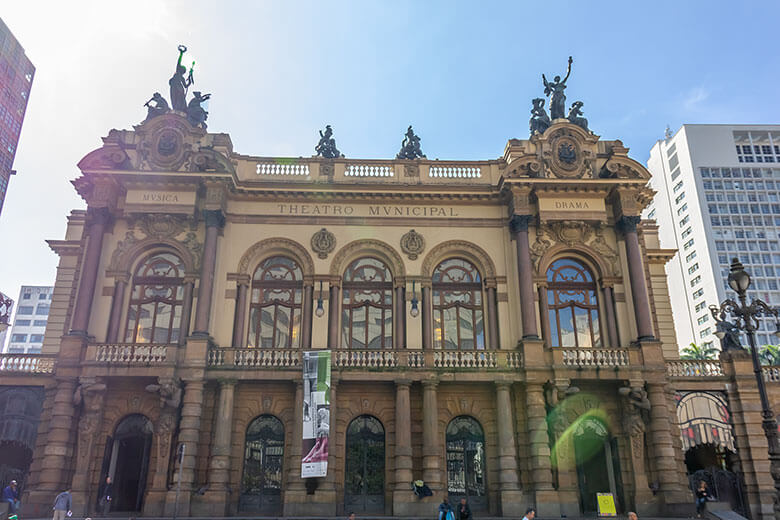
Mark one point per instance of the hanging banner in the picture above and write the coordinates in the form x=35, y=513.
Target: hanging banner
x=316, y=413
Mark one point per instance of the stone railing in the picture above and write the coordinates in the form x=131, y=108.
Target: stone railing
x=27, y=364
x=771, y=374
x=365, y=358
x=284, y=168
x=227, y=357
x=694, y=368
x=369, y=170
x=254, y=358
x=455, y=172
x=593, y=357
x=130, y=353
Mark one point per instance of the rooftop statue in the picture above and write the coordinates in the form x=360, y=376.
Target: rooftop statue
x=555, y=90
x=196, y=114
x=410, y=146
x=179, y=84
x=540, y=121
x=327, y=146
x=575, y=116
x=159, y=108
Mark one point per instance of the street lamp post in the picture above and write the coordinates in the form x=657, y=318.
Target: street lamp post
x=746, y=319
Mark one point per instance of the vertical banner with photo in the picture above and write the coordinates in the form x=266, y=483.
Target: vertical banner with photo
x=316, y=413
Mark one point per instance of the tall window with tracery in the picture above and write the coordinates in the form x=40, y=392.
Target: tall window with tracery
x=367, y=305
x=154, y=313
x=276, y=304
x=458, y=320
x=572, y=305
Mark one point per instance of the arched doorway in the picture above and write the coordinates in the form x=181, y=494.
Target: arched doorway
x=708, y=442
x=261, y=483
x=20, y=409
x=598, y=463
x=364, y=476
x=466, y=472
x=127, y=454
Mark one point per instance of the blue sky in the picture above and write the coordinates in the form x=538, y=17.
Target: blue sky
x=463, y=73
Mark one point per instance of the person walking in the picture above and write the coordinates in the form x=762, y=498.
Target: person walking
x=530, y=513
x=632, y=516
x=11, y=495
x=62, y=505
x=444, y=509
x=702, y=495
x=464, y=511
x=105, y=496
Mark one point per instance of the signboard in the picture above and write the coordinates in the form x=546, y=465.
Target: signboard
x=316, y=413
x=575, y=206
x=606, y=504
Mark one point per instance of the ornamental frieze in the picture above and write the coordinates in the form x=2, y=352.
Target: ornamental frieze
x=157, y=228
x=573, y=233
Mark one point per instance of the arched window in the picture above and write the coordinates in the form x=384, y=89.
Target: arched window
x=457, y=306
x=261, y=484
x=573, y=307
x=275, y=308
x=466, y=461
x=154, y=314
x=367, y=306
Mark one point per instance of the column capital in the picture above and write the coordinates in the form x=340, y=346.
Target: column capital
x=226, y=381
x=403, y=383
x=214, y=218
x=430, y=383
x=628, y=223
x=519, y=223
x=503, y=385
x=98, y=216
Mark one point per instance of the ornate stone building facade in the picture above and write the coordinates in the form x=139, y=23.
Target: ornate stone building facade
x=499, y=329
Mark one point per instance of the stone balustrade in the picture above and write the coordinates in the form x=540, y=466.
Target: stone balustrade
x=771, y=374
x=27, y=364
x=383, y=171
x=694, y=368
x=129, y=353
x=593, y=357
x=227, y=357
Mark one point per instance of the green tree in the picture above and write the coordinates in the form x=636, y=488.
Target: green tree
x=769, y=355
x=694, y=351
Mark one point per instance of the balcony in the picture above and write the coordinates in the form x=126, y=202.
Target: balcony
x=694, y=368
x=596, y=357
x=130, y=354
x=227, y=357
x=27, y=364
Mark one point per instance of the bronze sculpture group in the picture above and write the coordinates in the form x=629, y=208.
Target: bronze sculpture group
x=326, y=147
x=540, y=121
x=179, y=84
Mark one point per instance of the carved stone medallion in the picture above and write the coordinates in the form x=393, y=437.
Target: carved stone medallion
x=161, y=226
x=323, y=242
x=571, y=232
x=412, y=244
x=163, y=148
x=567, y=157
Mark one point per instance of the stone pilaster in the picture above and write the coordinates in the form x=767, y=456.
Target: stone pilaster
x=308, y=313
x=334, y=310
x=189, y=433
x=492, y=314
x=545, y=497
x=98, y=221
x=218, y=497
x=117, y=303
x=403, y=498
x=239, y=327
x=661, y=447
x=611, y=315
x=432, y=473
x=90, y=395
x=427, y=317
x=510, y=496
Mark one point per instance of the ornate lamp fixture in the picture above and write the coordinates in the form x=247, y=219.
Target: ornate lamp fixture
x=414, y=311
x=746, y=320
x=319, y=311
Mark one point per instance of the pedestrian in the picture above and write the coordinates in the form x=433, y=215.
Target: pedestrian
x=62, y=505
x=105, y=496
x=702, y=494
x=464, y=511
x=632, y=516
x=530, y=513
x=11, y=495
x=351, y=516
x=444, y=509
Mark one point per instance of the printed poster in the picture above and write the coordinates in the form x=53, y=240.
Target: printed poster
x=606, y=504
x=316, y=413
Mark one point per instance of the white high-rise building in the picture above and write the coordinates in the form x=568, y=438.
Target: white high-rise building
x=32, y=313
x=718, y=198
